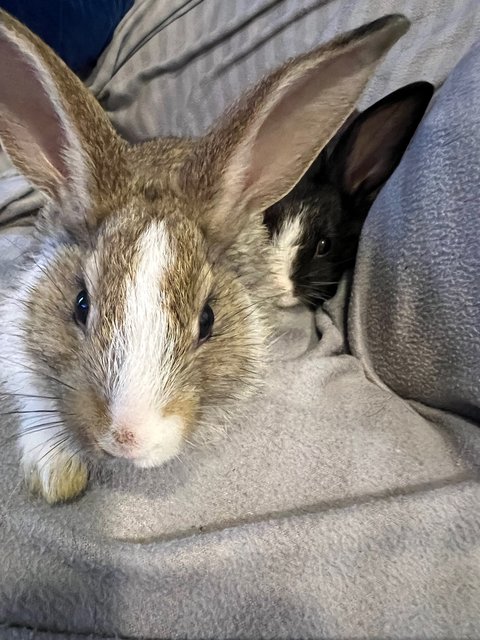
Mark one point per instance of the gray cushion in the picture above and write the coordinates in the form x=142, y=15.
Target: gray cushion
x=415, y=314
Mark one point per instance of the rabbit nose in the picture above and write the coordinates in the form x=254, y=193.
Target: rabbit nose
x=125, y=437
x=122, y=442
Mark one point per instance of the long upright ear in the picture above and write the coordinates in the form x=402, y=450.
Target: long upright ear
x=261, y=149
x=373, y=145
x=52, y=128
x=319, y=167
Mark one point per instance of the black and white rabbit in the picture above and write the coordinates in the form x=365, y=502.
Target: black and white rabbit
x=315, y=229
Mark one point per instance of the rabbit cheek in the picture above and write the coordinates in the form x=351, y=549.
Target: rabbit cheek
x=286, y=241
x=186, y=407
x=88, y=416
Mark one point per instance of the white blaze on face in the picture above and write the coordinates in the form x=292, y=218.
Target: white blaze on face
x=286, y=242
x=142, y=359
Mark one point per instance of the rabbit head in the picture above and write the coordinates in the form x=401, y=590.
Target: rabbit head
x=316, y=228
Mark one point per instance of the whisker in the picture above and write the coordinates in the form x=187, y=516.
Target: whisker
x=42, y=374
x=319, y=283
x=46, y=457
x=27, y=395
x=33, y=429
x=78, y=451
x=351, y=259
x=15, y=412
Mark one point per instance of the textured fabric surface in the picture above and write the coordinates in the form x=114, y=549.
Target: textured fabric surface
x=332, y=509
x=418, y=269
x=18, y=200
x=175, y=65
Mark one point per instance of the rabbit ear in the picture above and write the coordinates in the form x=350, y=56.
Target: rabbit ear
x=50, y=125
x=318, y=170
x=371, y=148
x=266, y=144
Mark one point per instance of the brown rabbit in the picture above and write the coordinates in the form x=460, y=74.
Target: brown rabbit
x=142, y=311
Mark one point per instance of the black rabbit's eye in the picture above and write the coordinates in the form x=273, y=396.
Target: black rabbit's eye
x=82, y=307
x=323, y=247
x=207, y=318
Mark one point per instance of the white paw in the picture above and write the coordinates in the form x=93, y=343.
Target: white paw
x=60, y=479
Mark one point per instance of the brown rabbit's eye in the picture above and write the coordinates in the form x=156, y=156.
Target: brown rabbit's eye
x=82, y=307
x=323, y=247
x=207, y=318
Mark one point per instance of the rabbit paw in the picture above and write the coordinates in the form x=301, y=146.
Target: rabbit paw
x=59, y=480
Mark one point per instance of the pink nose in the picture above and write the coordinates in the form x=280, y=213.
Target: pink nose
x=125, y=437
x=122, y=443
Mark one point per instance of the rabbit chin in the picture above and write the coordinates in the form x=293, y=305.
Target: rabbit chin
x=148, y=441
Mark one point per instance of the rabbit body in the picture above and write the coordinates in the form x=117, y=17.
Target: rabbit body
x=144, y=309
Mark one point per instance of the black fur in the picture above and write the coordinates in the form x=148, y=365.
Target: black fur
x=335, y=195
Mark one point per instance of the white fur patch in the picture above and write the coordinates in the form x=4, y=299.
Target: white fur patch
x=43, y=438
x=286, y=242
x=157, y=438
x=142, y=359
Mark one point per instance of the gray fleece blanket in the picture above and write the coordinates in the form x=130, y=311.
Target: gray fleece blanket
x=345, y=502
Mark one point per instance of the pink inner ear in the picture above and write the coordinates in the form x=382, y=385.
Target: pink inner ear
x=281, y=142
x=24, y=97
x=310, y=111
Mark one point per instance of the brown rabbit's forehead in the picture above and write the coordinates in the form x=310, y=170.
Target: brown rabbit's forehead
x=166, y=255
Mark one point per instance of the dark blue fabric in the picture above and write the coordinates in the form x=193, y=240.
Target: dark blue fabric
x=78, y=30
